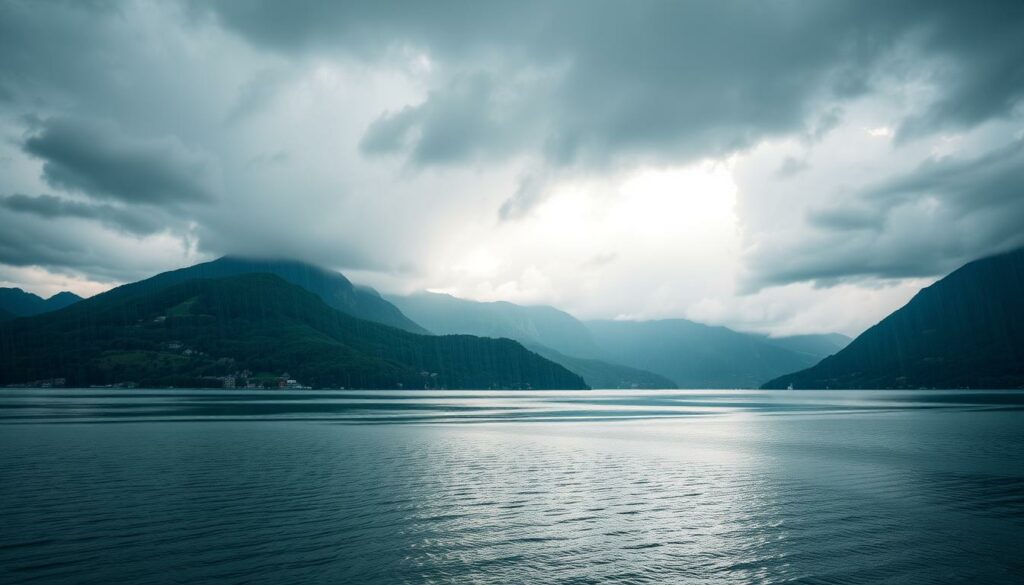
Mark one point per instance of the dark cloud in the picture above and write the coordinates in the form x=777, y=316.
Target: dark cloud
x=993, y=179
x=258, y=93
x=42, y=45
x=98, y=160
x=129, y=220
x=465, y=121
x=665, y=79
x=980, y=49
x=947, y=211
x=26, y=240
x=827, y=122
x=375, y=135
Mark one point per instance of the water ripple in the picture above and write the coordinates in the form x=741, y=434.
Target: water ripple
x=655, y=487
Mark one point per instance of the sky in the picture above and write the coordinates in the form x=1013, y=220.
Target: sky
x=775, y=166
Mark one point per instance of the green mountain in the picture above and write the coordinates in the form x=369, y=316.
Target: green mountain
x=964, y=331
x=530, y=325
x=192, y=332
x=815, y=345
x=18, y=303
x=554, y=334
x=694, y=355
x=6, y=315
x=332, y=287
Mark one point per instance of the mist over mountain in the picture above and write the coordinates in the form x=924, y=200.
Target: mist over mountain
x=964, y=331
x=332, y=287
x=554, y=334
x=694, y=355
x=15, y=302
x=203, y=332
x=537, y=325
x=815, y=345
x=617, y=354
x=600, y=374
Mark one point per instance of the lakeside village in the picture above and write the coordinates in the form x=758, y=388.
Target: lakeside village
x=243, y=380
x=246, y=380
x=238, y=379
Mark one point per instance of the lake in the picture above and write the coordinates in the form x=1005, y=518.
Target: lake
x=185, y=486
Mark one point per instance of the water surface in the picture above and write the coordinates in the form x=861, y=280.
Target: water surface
x=127, y=486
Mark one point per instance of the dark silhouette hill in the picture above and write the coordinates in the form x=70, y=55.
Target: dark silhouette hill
x=15, y=302
x=332, y=287
x=964, y=331
x=198, y=331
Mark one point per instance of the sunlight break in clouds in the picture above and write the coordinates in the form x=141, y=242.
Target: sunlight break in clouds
x=591, y=243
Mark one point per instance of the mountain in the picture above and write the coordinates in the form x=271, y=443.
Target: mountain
x=964, y=331
x=530, y=325
x=332, y=287
x=694, y=355
x=196, y=332
x=600, y=374
x=19, y=303
x=814, y=345
x=554, y=334
x=6, y=315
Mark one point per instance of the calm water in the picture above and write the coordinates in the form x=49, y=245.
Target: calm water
x=107, y=486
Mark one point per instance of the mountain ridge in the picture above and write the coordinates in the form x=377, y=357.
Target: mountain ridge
x=546, y=330
x=531, y=324
x=20, y=303
x=965, y=330
x=694, y=355
x=609, y=363
x=200, y=332
x=332, y=287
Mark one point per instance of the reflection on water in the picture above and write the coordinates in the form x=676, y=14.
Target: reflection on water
x=574, y=487
x=104, y=405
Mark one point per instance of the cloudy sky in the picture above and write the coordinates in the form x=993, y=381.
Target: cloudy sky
x=777, y=166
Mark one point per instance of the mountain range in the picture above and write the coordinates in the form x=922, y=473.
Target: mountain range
x=964, y=331
x=694, y=355
x=554, y=334
x=206, y=324
x=623, y=354
x=15, y=302
x=169, y=331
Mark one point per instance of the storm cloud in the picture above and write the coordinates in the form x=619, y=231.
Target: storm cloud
x=929, y=220
x=756, y=164
x=95, y=159
x=133, y=221
x=594, y=81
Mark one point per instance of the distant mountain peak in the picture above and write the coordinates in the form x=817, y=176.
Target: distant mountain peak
x=530, y=324
x=20, y=303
